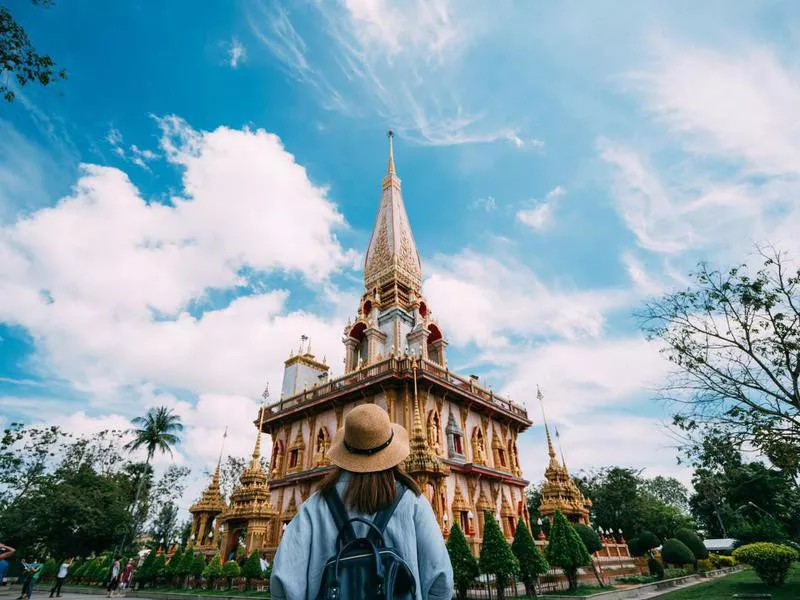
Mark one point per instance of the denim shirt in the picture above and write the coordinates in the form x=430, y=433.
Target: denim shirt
x=309, y=540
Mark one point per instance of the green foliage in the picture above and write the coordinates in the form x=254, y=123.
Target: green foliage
x=175, y=561
x=693, y=542
x=160, y=566
x=252, y=567
x=145, y=573
x=531, y=562
x=638, y=579
x=704, y=565
x=496, y=556
x=625, y=500
x=198, y=565
x=770, y=561
x=465, y=565
x=566, y=550
x=20, y=60
x=720, y=561
x=674, y=573
x=675, y=552
x=50, y=568
x=185, y=567
x=655, y=567
x=649, y=540
x=213, y=569
x=230, y=570
x=589, y=538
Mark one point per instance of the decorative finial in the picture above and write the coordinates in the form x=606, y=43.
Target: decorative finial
x=219, y=460
x=303, y=339
x=561, y=450
x=257, y=449
x=550, y=449
x=390, y=170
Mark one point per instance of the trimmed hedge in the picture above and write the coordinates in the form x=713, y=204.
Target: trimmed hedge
x=693, y=542
x=770, y=561
x=675, y=552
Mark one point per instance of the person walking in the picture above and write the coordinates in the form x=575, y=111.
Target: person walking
x=31, y=570
x=63, y=570
x=6, y=552
x=125, y=577
x=113, y=582
x=368, y=484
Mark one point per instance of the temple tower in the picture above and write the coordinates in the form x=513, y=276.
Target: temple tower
x=204, y=514
x=463, y=437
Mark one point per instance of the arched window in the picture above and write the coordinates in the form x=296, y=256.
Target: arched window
x=435, y=348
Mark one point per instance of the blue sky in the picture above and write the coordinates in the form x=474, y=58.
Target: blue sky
x=200, y=192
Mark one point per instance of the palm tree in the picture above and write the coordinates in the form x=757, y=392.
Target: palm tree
x=157, y=430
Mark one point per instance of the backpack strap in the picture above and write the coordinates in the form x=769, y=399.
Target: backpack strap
x=381, y=519
x=340, y=518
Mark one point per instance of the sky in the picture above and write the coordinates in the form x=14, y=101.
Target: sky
x=200, y=191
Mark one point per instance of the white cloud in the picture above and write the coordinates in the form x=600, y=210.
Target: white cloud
x=540, y=217
x=237, y=53
x=105, y=282
x=134, y=154
x=488, y=301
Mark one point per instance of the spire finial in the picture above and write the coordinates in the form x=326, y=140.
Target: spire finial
x=561, y=450
x=390, y=170
x=219, y=460
x=257, y=449
x=550, y=449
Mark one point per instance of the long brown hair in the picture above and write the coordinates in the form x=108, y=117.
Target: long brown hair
x=368, y=493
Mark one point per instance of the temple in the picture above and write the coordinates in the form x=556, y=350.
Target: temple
x=559, y=492
x=463, y=436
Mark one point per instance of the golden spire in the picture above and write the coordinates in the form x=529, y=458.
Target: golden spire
x=215, y=480
x=561, y=450
x=550, y=449
x=257, y=450
x=420, y=440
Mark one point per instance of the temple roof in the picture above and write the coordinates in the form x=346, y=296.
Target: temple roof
x=392, y=254
x=211, y=501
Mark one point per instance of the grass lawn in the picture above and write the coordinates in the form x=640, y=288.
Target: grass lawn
x=744, y=582
x=583, y=590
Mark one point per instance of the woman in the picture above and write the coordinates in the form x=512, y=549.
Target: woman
x=6, y=552
x=125, y=578
x=367, y=452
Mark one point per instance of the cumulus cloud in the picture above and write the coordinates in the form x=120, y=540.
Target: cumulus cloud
x=115, y=288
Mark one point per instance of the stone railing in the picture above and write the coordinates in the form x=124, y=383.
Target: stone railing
x=398, y=365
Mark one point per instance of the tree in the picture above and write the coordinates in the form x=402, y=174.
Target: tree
x=230, y=570
x=174, y=566
x=644, y=543
x=19, y=58
x=159, y=567
x=145, y=573
x=770, y=561
x=533, y=498
x=496, y=556
x=158, y=430
x=693, y=542
x=667, y=490
x=198, y=565
x=252, y=569
x=531, y=562
x=465, y=566
x=675, y=552
x=589, y=538
x=213, y=571
x=734, y=338
x=184, y=569
x=566, y=550
x=164, y=526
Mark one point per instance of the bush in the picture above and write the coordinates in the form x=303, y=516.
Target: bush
x=589, y=538
x=720, y=561
x=566, y=550
x=198, y=565
x=675, y=552
x=648, y=540
x=674, y=573
x=638, y=579
x=213, y=570
x=531, y=562
x=49, y=569
x=770, y=561
x=465, y=566
x=230, y=570
x=145, y=572
x=252, y=569
x=496, y=556
x=693, y=542
x=655, y=567
x=704, y=565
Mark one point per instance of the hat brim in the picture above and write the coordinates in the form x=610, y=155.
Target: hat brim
x=389, y=457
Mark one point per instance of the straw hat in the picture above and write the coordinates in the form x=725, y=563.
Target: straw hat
x=369, y=441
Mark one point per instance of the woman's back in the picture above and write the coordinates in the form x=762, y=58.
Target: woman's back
x=310, y=539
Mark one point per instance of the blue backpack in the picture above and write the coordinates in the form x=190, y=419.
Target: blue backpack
x=364, y=568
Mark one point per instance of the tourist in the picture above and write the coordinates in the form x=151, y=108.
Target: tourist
x=264, y=563
x=125, y=578
x=63, y=570
x=368, y=452
x=31, y=570
x=113, y=582
x=6, y=552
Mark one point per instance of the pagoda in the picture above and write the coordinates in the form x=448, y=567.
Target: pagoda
x=204, y=514
x=559, y=492
x=249, y=519
x=463, y=437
